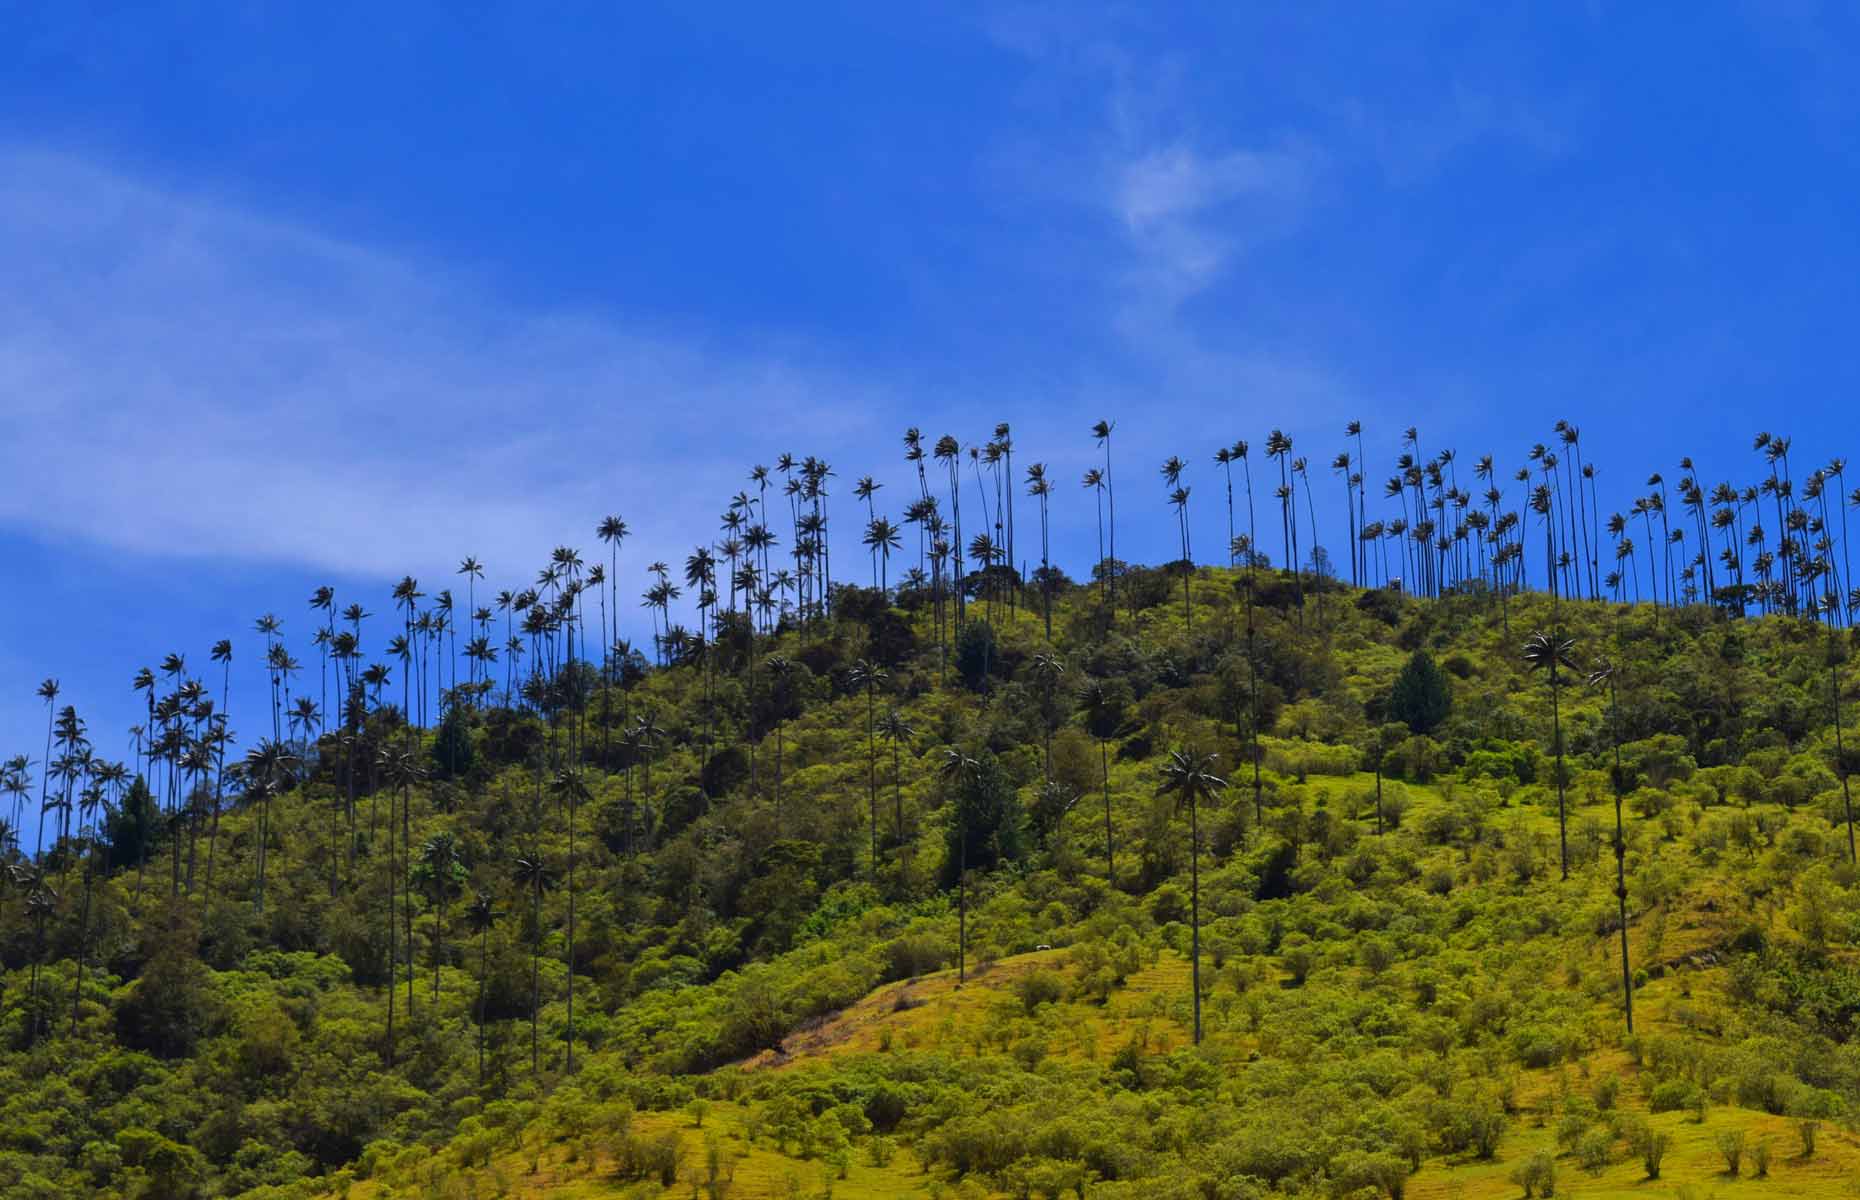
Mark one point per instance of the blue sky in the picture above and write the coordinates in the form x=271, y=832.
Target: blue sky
x=336, y=293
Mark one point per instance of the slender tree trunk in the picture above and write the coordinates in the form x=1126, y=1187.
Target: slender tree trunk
x=1621, y=892
x=1194, y=908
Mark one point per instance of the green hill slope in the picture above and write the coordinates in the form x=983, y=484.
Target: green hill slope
x=747, y=866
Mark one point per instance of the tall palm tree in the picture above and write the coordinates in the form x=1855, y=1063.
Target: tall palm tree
x=1355, y=429
x=269, y=766
x=1103, y=714
x=48, y=692
x=1548, y=652
x=41, y=903
x=1039, y=487
x=1279, y=448
x=572, y=790
x=480, y=916
x=867, y=676
x=400, y=770
x=1172, y=469
x=958, y=773
x=441, y=872
x=533, y=875
x=897, y=730
x=473, y=571
x=1102, y=432
x=1047, y=670
x=1224, y=458
x=881, y=538
x=17, y=784
x=1603, y=676
x=1835, y=653
x=866, y=489
x=1094, y=480
x=1189, y=777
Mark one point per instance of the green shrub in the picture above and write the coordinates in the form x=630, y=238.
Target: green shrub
x=1672, y=1095
x=1536, y=1175
x=1039, y=987
x=1731, y=1147
x=1595, y=1150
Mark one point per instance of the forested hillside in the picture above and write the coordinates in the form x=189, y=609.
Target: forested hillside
x=1197, y=881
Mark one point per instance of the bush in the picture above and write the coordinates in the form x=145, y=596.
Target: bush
x=1039, y=987
x=1594, y=1151
x=1651, y=1144
x=1731, y=1146
x=1607, y=1092
x=1357, y=1171
x=1806, y=1128
x=1672, y=1095
x=1536, y=1175
x=1760, y=1158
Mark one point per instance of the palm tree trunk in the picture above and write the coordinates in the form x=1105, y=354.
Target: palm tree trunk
x=1556, y=718
x=1194, y=908
x=484, y=961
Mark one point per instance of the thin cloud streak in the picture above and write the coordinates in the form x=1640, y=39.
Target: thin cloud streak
x=186, y=379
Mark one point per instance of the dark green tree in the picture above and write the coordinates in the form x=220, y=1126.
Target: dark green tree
x=1421, y=696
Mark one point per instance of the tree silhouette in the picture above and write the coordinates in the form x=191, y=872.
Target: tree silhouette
x=1548, y=652
x=866, y=677
x=1189, y=777
x=1604, y=677
x=480, y=915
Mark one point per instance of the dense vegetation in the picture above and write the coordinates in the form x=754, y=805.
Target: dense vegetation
x=1255, y=880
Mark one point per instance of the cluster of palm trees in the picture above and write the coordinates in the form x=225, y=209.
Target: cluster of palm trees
x=1778, y=544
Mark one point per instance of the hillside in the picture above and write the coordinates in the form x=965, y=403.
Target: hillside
x=696, y=929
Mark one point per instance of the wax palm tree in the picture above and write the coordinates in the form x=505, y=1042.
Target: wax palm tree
x=572, y=790
x=1102, y=432
x=400, y=769
x=779, y=669
x=867, y=676
x=948, y=452
x=1835, y=653
x=92, y=798
x=1604, y=677
x=1094, y=481
x=48, y=692
x=1548, y=652
x=480, y=915
x=1189, y=777
x=534, y=876
x=958, y=773
x=881, y=538
x=897, y=730
x=1047, y=669
x=17, y=784
x=1103, y=714
x=1224, y=458
x=41, y=903
x=1279, y=449
x=1039, y=487
x=1172, y=469
x=268, y=767
x=439, y=871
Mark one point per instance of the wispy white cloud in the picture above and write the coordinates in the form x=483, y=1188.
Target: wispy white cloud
x=181, y=377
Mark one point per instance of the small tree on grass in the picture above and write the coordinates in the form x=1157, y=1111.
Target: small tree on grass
x=1731, y=1146
x=1536, y=1175
x=1651, y=1144
x=1806, y=1128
